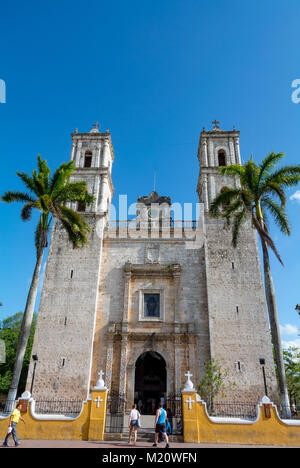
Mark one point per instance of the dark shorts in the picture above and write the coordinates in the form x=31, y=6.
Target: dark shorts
x=134, y=422
x=160, y=428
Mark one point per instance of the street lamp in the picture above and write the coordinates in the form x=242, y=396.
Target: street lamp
x=35, y=358
x=262, y=363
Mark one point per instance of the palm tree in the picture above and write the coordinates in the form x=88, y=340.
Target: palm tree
x=261, y=191
x=48, y=195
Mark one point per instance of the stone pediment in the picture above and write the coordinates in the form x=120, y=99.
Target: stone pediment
x=153, y=269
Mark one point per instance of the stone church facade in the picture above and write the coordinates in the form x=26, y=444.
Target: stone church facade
x=149, y=299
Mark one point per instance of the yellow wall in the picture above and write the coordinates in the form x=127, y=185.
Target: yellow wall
x=199, y=428
x=88, y=426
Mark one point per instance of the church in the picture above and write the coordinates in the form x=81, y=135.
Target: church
x=153, y=297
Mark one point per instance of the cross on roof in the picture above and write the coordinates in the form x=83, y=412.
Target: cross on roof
x=96, y=125
x=188, y=375
x=101, y=373
x=215, y=122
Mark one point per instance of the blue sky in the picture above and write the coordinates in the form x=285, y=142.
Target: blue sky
x=154, y=73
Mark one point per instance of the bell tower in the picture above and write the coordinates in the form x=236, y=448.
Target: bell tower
x=216, y=148
x=93, y=155
x=238, y=325
x=67, y=314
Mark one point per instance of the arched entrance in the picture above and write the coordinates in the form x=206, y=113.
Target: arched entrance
x=150, y=381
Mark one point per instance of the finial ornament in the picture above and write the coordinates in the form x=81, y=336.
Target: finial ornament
x=188, y=386
x=95, y=128
x=100, y=385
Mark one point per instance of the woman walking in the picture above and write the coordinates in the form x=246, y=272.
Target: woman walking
x=134, y=423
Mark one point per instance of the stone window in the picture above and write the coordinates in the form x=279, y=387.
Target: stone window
x=81, y=206
x=222, y=158
x=88, y=159
x=62, y=362
x=151, y=305
x=239, y=366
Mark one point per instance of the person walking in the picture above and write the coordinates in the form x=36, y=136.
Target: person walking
x=160, y=425
x=134, y=423
x=139, y=406
x=13, y=421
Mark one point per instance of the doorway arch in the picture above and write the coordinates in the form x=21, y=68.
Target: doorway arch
x=150, y=381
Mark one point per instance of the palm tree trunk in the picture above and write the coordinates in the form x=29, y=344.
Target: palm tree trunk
x=275, y=330
x=25, y=329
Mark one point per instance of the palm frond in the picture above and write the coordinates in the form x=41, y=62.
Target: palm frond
x=73, y=191
x=232, y=170
x=26, y=212
x=278, y=215
x=75, y=225
x=250, y=177
x=61, y=177
x=225, y=197
x=273, y=188
x=16, y=196
x=287, y=176
x=76, y=236
x=238, y=220
x=268, y=164
x=43, y=173
x=28, y=181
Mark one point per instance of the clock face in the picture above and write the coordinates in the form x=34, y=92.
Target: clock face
x=152, y=213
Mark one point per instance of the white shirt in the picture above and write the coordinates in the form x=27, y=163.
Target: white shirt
x=134, y=414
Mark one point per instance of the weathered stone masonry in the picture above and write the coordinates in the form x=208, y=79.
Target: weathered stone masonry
x=211, y=299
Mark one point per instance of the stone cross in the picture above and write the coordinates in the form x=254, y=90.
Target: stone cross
x=215, y=122
x=189, y=386
x=100, y=385
x=188, y=375
x=189, y=401
x=96, y=125
x=98, y=401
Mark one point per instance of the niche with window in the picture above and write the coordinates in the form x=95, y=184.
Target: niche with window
x=151, y=305
x=88, y=159
x=222, y=158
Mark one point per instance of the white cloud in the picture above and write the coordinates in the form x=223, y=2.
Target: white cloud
x=291, y=344
x=296, y=196
x=288, y=329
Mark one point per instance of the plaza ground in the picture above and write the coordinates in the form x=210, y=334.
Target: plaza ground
x=123, y=444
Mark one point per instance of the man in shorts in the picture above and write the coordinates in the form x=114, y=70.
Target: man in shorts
x=160, y=425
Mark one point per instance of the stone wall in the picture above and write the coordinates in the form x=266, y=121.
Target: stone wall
x=181, y=336
x=239, y=330
x=65, y=326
